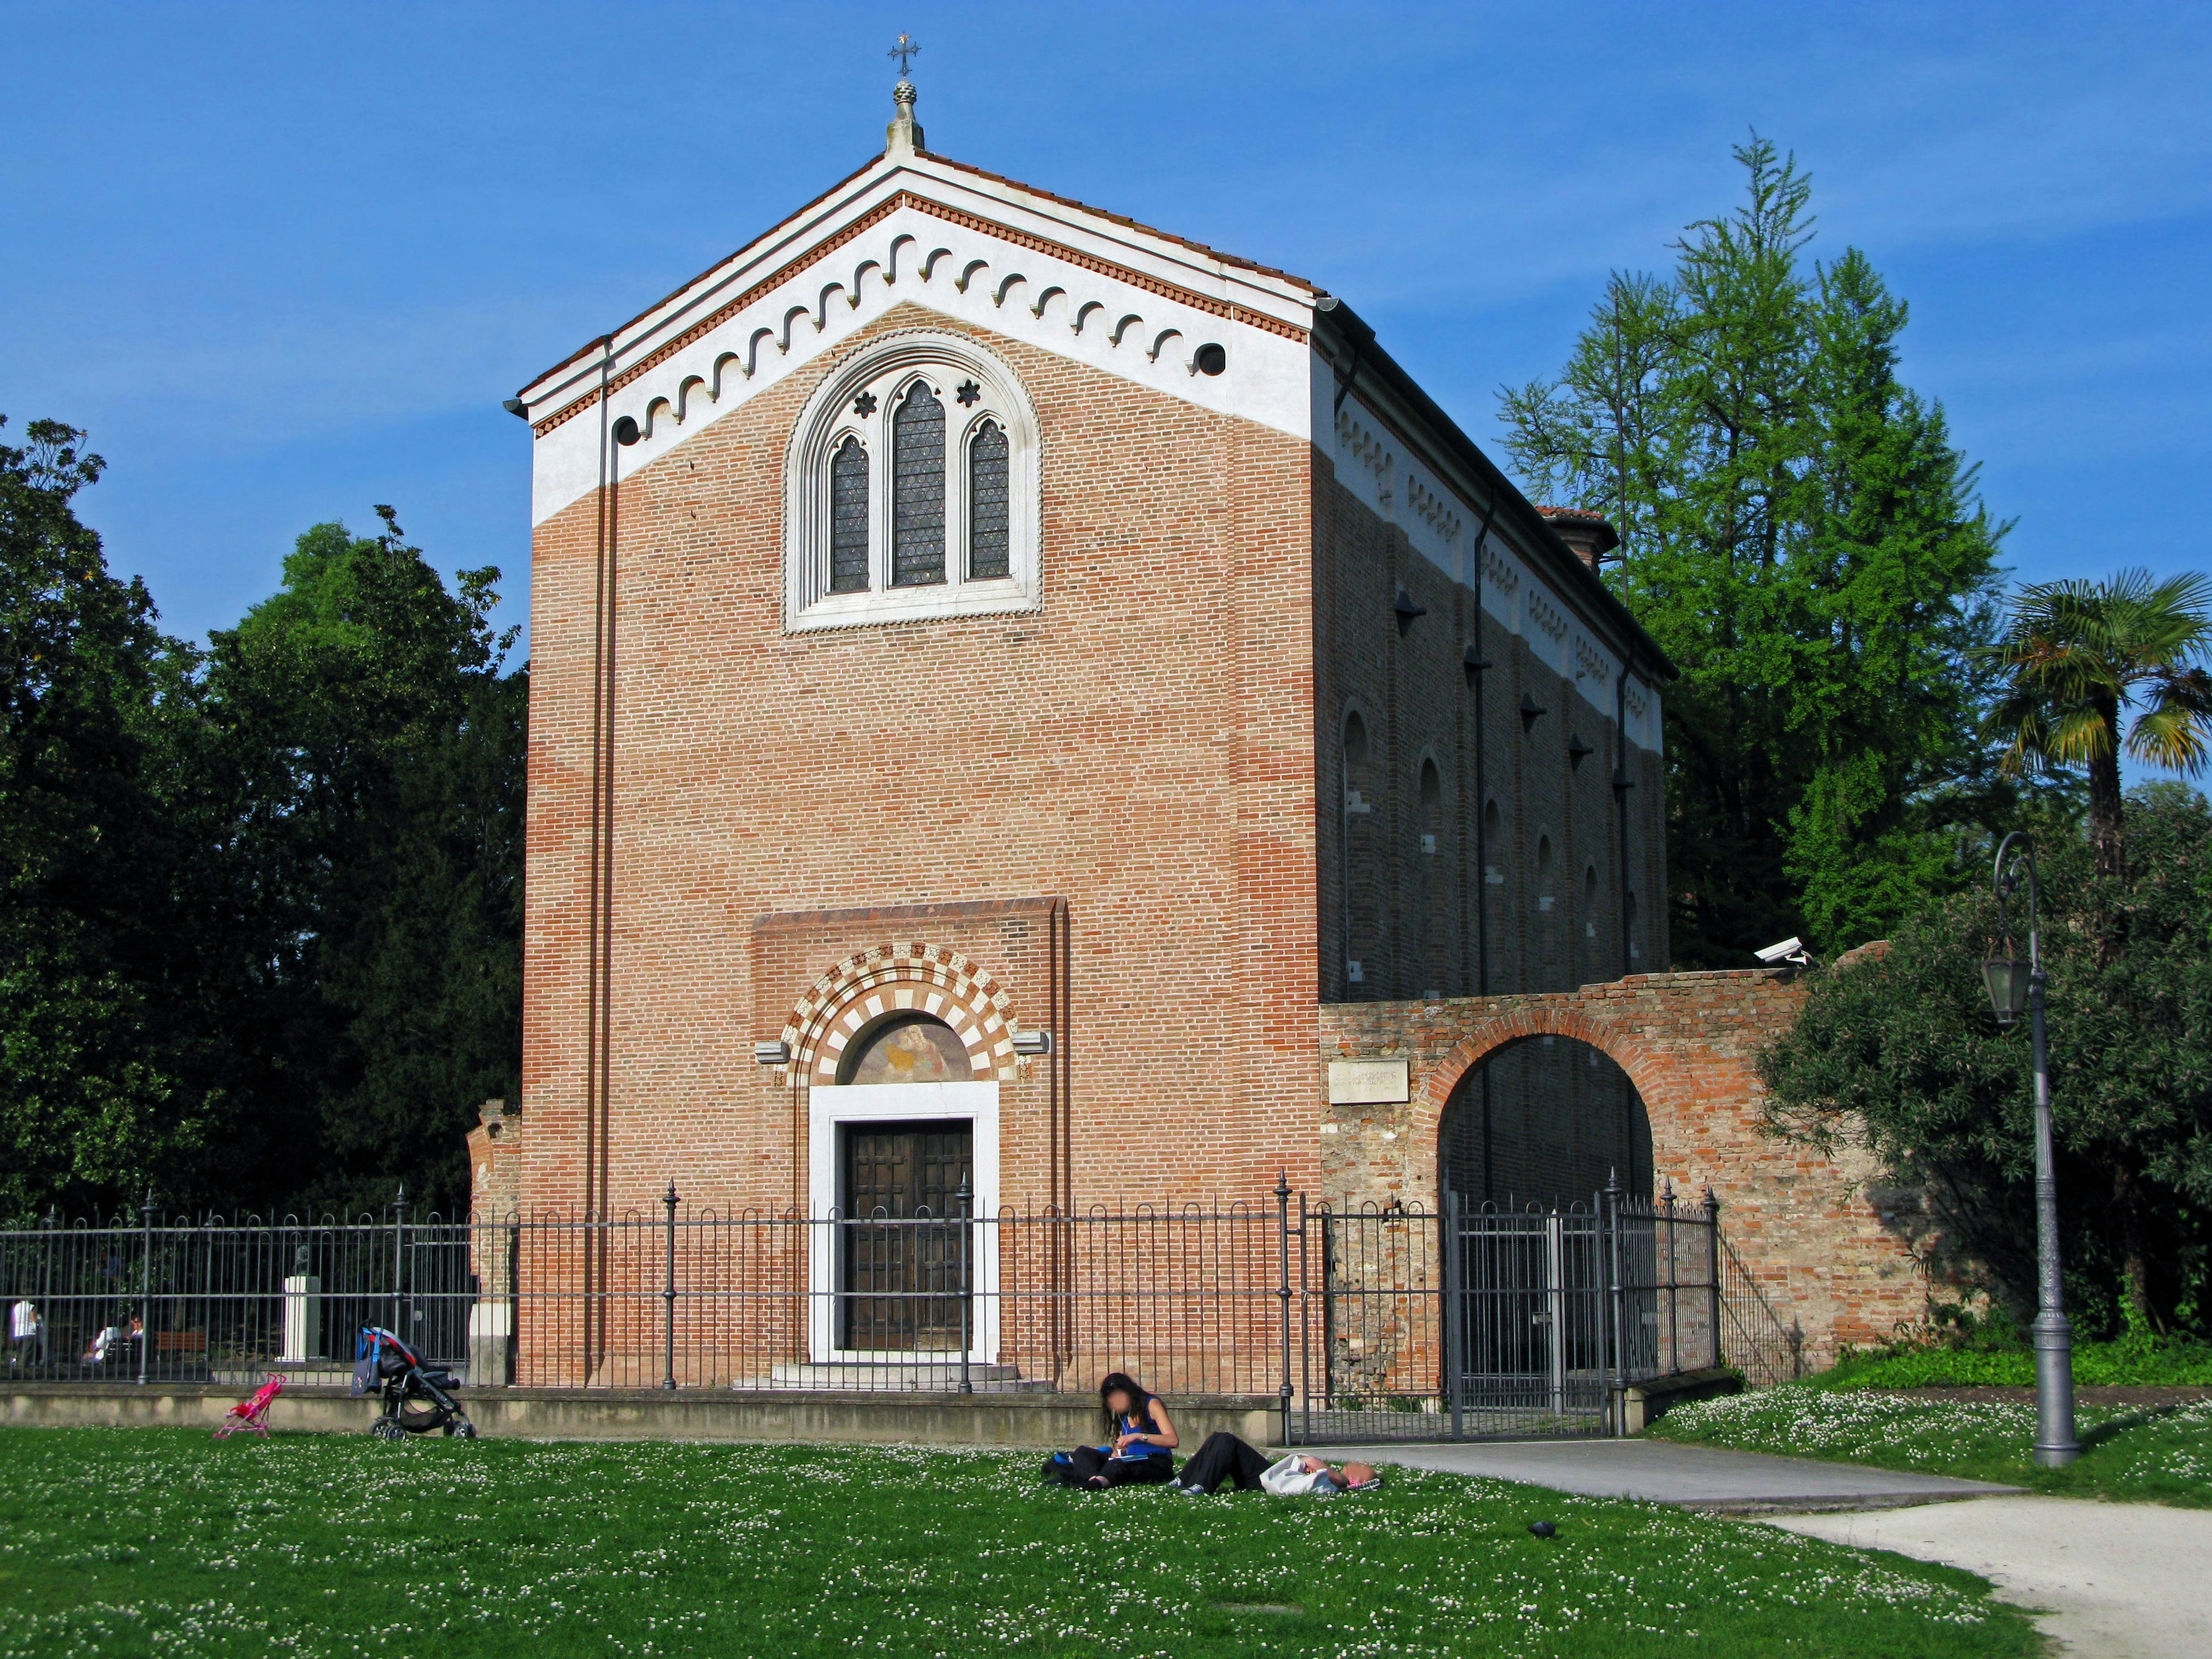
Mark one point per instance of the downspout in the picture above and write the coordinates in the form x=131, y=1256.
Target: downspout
x=596, y=1067
x=1479, y=667
x=1622, y=783
x=1344, y=379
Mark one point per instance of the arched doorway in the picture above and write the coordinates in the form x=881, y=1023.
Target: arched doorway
x=1547, y=1121
x=903, y=1153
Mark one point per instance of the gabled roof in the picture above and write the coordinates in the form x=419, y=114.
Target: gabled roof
x=1189, y=270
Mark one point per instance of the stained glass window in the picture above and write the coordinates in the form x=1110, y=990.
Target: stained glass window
x=987, y=548
x=918, y=489
x=848, y=519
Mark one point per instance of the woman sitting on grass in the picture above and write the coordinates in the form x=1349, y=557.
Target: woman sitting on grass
x=1140, y=1450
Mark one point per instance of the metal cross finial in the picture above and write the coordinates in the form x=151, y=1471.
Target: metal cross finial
x=905, y=50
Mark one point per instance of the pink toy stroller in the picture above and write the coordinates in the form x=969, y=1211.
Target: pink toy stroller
x=252, y=1413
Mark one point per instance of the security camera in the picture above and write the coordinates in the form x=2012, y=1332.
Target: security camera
x=1792, y=951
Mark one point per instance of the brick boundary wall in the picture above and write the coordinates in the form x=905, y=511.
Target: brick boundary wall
x=1815, y=1231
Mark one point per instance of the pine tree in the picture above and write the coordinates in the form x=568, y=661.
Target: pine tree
x=1799, y=535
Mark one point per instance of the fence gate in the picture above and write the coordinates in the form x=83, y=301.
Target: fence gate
x=1482, y=1321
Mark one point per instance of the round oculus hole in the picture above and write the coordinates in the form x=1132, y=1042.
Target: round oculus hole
x=1210, y=359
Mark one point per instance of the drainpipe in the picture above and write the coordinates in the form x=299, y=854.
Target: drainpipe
x=1476, y=665
x=597, y=1068
x=1622, y=783
x=1479, y=666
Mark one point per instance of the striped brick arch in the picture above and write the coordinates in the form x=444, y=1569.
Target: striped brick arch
x=913, y=976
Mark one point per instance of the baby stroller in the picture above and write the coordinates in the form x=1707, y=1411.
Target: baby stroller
x=413, y=1394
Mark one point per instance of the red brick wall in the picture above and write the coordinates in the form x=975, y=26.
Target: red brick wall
x=1142, y=750
x=1806, y=1226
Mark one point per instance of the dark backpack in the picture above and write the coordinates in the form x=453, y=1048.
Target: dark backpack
x=1059, y=1470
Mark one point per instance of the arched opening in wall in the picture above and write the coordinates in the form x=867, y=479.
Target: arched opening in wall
x=1433, y=885
x=1628, y=927
x=903, y=1150
x=1362, y=976
x=1545, y=1121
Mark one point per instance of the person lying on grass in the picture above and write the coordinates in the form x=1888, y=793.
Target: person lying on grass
x=1140, y=1449
x=1224, y=1457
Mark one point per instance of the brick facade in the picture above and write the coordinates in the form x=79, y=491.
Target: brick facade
x=1813, y=1230
x=1141, y=751
x=1131, y=819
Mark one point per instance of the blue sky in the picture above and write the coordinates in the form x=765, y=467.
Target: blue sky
x=285, y=260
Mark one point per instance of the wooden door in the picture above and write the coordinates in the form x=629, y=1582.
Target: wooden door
x=907, y=1261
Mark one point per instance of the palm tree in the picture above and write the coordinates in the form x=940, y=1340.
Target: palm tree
x=2076, y=654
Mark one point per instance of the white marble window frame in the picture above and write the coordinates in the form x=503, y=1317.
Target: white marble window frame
x=890, y=365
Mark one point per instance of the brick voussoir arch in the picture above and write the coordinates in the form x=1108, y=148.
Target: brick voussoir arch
x=903, y=976
x=1646, y=1068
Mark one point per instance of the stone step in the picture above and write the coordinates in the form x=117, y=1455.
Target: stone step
x=935, y=1374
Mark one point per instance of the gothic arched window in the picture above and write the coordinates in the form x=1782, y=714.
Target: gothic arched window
x=911, y=489
x=986, y=503
x=918, y=489
x=848, y=519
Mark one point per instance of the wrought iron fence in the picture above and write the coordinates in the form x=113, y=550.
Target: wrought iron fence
x=1484, y=1319
x=1354, y=1323
x=208, y=1301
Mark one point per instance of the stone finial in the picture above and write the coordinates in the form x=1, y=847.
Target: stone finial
x=904, y=135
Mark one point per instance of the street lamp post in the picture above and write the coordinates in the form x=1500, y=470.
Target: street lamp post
x=2015, y=985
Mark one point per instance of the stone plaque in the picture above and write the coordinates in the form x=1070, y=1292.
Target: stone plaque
x=1367, y=1082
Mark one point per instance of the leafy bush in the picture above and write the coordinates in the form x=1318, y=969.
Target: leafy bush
x=1899, y=1054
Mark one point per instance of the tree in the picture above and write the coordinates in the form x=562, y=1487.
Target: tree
x=1900, y=1056
x=106, y=1074
x=1801, y=538
x=2077, y=653
x=374, y=751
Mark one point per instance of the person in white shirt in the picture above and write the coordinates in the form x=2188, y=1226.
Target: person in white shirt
x=1224, y=1457
x=26, y=1331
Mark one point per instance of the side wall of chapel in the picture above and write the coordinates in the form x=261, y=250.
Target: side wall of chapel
x=1402, y=882
x=1139, y=752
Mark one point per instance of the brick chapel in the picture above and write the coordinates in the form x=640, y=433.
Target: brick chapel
x=1023, y=698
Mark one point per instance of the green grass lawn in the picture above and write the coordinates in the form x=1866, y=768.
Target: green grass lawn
x=120, y=1542
x=2159, y=1454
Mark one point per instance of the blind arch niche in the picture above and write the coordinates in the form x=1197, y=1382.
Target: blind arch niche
x=944, y=523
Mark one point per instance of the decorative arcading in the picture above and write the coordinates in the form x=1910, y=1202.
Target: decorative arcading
x=1547, y=618
x=1433, y=510
x=1130, y=327
x=1590, y=663
x=924, y=978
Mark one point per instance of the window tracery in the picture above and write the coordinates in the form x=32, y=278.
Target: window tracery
x=911, y=489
